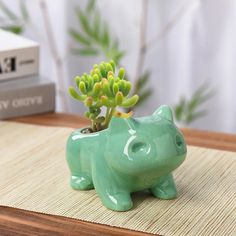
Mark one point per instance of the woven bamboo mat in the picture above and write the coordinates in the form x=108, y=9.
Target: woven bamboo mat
x=34, y=176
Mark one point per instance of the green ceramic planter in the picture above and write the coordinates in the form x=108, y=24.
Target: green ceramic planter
x=130, y=155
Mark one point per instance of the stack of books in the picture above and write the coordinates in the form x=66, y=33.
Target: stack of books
x=22, y=90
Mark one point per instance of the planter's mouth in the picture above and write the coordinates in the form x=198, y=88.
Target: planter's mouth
x=88, y=130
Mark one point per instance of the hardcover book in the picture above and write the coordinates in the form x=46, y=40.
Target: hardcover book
x=18, y=56
x=26, y=96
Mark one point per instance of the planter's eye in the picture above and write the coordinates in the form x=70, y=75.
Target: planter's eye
x=178, y=141
x=140, y=147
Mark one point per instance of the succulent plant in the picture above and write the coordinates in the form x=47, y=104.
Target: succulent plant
x=103, y=88
x=95, y=37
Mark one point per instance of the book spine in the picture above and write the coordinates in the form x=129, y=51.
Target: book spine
x=19, y=62
x=27, y=101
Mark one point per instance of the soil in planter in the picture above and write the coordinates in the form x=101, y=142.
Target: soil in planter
x=87, y=131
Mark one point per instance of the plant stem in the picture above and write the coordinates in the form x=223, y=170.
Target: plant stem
x=98, y=126
x=106, y=117
x=110, y=115
x=93, y=125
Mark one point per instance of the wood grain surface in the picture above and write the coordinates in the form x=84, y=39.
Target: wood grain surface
x=21, y=222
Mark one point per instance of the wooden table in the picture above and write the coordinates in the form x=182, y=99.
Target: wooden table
x=20, y=222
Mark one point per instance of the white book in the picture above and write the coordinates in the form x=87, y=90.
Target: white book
x=18, y=56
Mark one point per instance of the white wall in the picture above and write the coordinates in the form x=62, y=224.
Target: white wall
x=201, y=48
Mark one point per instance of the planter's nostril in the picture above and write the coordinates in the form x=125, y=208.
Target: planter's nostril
x=179, y=141
x=139, y=147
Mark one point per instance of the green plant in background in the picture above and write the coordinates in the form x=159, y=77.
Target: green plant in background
x=13, y=22
x=187, y=111
x=95, y=39
x=103, y=88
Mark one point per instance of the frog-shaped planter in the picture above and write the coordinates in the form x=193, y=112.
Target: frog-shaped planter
x=129, y=156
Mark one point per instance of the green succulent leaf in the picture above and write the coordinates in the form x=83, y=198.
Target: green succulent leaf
x=121, y=84
x=90, y=83
x=82, y=87
x=121, y=74
x=77, y=80
x=96, y=78
x=112, y=63
x=103, y=70
x=119, y=98
x=106, y=102
x=96, y=89
x=98, y=72
x=106, y=88
x=88, y=101
x=109, y=67
x=75, y=95
x=127, y=88
x=115, y=88
x=87, y=114
x=129, y=102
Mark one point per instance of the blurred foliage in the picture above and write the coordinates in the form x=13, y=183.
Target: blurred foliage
x=140, y=87
x=189, y=110
x=95, y=38
x=13, y=22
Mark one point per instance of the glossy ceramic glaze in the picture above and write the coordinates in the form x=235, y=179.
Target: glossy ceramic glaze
x=129, y=156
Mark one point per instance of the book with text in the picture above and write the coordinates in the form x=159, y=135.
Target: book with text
x=26, y=96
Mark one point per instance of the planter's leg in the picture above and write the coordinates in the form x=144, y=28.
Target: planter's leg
x=116, y=201
x=165, y=188
x=110, y=194
x=81, y=181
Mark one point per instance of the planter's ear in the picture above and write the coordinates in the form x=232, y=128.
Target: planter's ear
x=164, y=111
x=119, y=124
